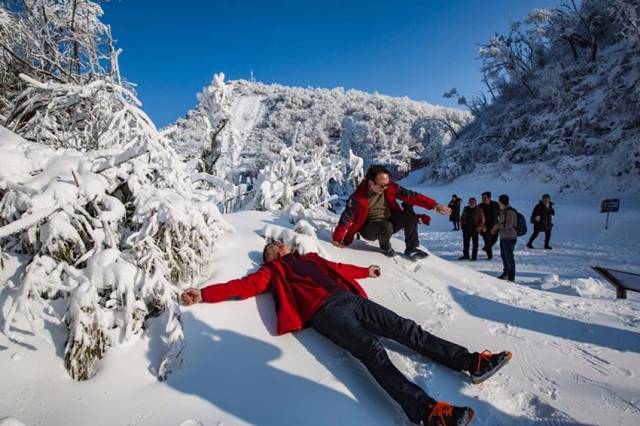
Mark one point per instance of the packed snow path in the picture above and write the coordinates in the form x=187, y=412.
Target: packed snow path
x=576, y=360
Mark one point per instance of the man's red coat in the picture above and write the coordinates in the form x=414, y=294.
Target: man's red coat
x=296, y=298
x=355, y=213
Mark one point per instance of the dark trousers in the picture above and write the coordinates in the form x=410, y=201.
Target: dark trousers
x=489, y=241
x=547, y=237
x=382, y=229
x=507, y=248
x=356, y=324
x=470, y=235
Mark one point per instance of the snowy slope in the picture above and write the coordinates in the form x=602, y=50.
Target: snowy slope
x=576, y=358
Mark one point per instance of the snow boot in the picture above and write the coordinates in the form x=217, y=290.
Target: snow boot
x=485, y=364
x=529, y=245
x=464, y=258
x=415, y=253
x=548, y=248
x=502, y=277
x=440, y=413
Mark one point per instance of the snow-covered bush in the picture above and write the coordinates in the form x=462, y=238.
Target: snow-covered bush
x=91, y=116
x=116, y=233
x=288, y=180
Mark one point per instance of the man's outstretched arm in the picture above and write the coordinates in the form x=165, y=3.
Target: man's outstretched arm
x=237, y=289
x=416, y=199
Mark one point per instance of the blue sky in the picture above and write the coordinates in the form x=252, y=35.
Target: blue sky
x=418, y=49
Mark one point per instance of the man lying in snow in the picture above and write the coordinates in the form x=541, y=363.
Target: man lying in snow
x=373, y=212
x=312, y=291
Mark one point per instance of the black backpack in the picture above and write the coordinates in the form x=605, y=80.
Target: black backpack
x=521, y=223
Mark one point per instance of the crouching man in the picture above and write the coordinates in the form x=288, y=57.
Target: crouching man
x=311, y=291
x=373, y=212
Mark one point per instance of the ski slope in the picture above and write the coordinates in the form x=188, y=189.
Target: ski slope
x=576, y=359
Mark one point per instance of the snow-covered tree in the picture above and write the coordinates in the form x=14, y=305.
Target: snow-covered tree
x=59, y=40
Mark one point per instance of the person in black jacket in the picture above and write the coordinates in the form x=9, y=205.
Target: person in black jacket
x=490, y=209
x=454, y=205
x=542, y=219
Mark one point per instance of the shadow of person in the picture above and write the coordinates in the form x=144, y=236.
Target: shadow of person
x=553, y=325
x=233, y=373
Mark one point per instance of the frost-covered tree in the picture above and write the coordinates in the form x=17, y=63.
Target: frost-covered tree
x=59, y=40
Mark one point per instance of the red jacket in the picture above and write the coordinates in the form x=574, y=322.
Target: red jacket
x=297, y=298
x=355, y=214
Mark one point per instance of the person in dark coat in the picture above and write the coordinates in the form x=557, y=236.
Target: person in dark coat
x=472, y=222
x=454, y=217
x=310, y=291
x=542, y=219
x=490, y=209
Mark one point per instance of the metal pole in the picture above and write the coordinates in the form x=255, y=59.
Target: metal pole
x=606, y=225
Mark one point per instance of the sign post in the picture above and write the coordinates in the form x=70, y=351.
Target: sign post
x=609, y=205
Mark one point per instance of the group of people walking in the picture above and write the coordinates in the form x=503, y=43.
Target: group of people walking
x=491, y=220
x=311, y=291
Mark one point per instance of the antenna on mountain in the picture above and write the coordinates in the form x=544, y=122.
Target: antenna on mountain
x=252, y=78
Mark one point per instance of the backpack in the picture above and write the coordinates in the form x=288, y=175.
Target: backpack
x=521, y=223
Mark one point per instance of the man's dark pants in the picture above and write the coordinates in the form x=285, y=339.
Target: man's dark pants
x=382, y=229
x=470, y=235
x=489, y=241
x=507, y=248
x=547, y=237
x=356, y=324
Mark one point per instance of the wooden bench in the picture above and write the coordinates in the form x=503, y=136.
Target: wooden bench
x=621, y=280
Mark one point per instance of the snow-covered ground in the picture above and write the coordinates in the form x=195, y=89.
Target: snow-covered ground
x=576, y=357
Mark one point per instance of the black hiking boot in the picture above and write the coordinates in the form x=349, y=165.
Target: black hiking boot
x=548, y=248
x=502, y=277
x=464, y=258
x=485, y=364
x=529, y=245
x=439, y=413
x=388, y=251
x=415, y=253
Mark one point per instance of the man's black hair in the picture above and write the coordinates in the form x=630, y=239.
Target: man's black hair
x=473, y=199
x=546, y=196
x=504, y=199
x=487, y=193
x=264, y=252
x=375, y=170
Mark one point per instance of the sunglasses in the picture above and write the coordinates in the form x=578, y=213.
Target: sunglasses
x=380, y=185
